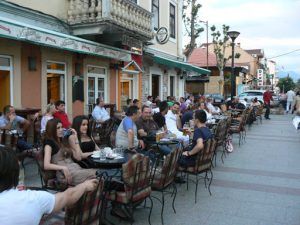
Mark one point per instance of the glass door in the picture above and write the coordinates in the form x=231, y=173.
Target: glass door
x=96, y=85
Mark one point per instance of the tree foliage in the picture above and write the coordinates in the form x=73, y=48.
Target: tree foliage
x=220, y=43
x=192, y=24
x=285, y=84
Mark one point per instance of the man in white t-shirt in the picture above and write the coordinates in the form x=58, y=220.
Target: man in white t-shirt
x=27, y=207
x=290, y=98
x=173, y=122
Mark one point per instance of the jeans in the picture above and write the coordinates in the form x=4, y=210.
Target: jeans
x=165, y=150
x=267, y=113
x=22, y=145
x=288, y=105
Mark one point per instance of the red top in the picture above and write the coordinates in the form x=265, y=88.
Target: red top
x=63, y=118
x=267, y=97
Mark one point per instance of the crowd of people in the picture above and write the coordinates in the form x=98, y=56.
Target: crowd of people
x=67, y=146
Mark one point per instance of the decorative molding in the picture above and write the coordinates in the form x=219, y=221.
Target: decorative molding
x=15, y=30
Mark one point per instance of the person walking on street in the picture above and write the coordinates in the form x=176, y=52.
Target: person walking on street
x=290, y=98
x=267, y=100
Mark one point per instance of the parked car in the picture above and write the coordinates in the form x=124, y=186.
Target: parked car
x=247, y=96
x=218, y=99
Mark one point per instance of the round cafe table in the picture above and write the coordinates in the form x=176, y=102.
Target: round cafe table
x=109, y=163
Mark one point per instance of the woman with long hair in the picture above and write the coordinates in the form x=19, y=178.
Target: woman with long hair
x=81, y=126
x=58, y=155
x=81, y=141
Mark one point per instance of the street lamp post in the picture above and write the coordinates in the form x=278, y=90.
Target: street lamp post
x=233, y=35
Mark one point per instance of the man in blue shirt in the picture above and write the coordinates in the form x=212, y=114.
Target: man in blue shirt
x=10, y=121
x=201, y=134
x=127, y=131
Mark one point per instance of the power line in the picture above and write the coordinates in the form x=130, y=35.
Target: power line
x=284, y=54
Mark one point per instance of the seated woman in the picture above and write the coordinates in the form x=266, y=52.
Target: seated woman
x=201, y=134
x=82, y=143
x=57, y=156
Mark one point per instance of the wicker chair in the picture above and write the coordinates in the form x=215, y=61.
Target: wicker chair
x=88, y=209
x=164, y=179
x=48, y=177
x=137, y=185
x=203, y=165
x=220, y=137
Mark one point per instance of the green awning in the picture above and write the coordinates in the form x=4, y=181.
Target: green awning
x=180, y=65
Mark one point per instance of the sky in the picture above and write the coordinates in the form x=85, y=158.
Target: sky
x=271, y=25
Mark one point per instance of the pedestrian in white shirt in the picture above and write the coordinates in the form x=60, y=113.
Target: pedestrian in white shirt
x=290, y=98
x=99, y=113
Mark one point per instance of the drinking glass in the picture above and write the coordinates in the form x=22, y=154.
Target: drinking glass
x=102, y=155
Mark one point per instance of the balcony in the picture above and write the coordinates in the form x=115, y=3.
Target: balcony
x=104, y=18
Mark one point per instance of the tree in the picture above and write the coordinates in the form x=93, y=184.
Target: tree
x=220, y=43
x=298, y=85
x=285, y=84
x=192, y=24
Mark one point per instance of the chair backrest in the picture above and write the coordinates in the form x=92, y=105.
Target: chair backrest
x=204, y=157
x=137, y=178
x=8, y=139
x=220, y=133
x=167, y=174
x=88, y=209
x=48, y=177
x=105, y=132
x=37, y=131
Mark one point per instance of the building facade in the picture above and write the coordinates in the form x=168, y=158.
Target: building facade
x=79, y=50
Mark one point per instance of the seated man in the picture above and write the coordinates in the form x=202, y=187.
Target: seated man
x=201, y=134
x=10, y=121
x=28, y=207
x=127, y=131
x=212, y=109
x=61, y=114
x=173, y=123
x=99, y=113
x=146, y=126
x=159, y=117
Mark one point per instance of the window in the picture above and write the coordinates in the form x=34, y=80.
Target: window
x=172, y=20
x=96, y=84
x=155, y=11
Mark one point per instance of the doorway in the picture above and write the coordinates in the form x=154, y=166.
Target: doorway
x=97, y=85
x=56, y=73
x=129, y=83
x=5, y=81
x=155, y=86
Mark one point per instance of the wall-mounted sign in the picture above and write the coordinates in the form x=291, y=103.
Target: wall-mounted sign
x=162, y=35
x=131, y=42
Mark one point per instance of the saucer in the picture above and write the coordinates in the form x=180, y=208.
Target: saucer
x=95, y=156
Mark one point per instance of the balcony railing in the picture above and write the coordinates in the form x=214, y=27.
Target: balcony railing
x=123, y=13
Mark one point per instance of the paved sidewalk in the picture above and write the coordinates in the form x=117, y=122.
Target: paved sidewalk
x=258, y=184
